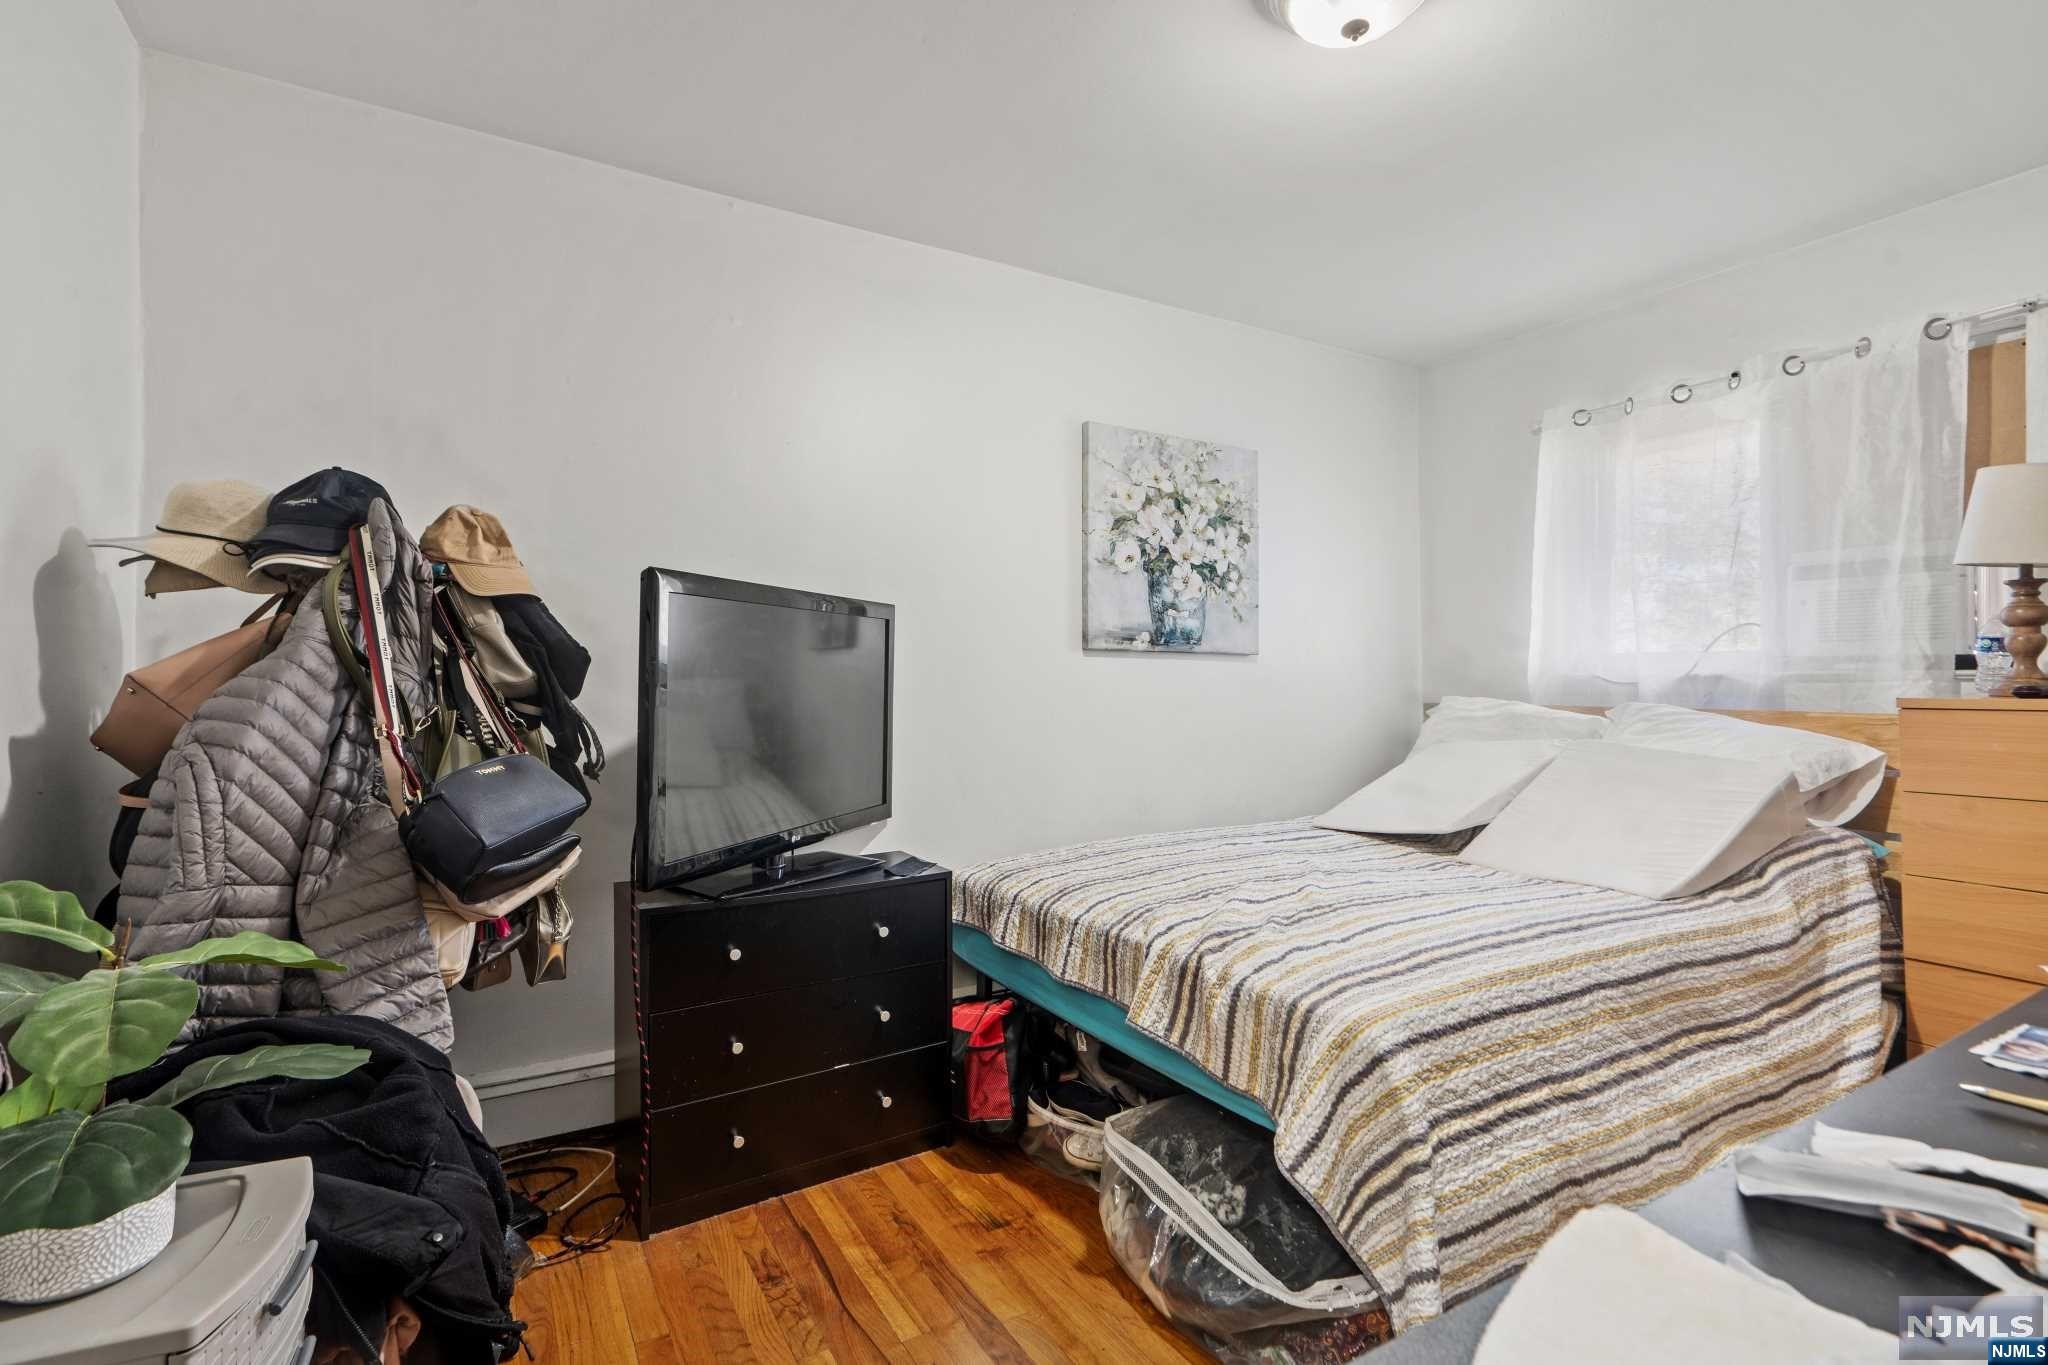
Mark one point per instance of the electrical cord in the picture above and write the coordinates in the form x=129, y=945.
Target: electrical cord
x=546, y=1154
x=537, y=1198
x=574, y=1244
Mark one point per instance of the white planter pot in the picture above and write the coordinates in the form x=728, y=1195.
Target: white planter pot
x=42, y=1265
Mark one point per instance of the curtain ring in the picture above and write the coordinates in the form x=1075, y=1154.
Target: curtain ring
x=1681, y=393
x=1862, y=347
x=1793, y=364
x=1582, y=417
x=1628, y=405
x=1734, y=380
x=1942, y=323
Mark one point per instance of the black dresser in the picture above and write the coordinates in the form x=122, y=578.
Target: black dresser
x=778, y=1040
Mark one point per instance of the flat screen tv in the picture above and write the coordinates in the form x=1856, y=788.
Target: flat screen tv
x=764, y=726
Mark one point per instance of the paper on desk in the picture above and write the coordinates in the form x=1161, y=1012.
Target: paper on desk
x=2023, y=1049
x=1909, y=1154
x=1866, y=1190
x=1625, y=1283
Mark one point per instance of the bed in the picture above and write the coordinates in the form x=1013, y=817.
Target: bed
x=1454, y=1059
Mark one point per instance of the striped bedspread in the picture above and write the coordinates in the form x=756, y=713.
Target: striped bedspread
x=1458, y=1059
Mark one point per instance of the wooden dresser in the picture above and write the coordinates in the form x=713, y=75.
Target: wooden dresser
x=1972, y=815
x=777, y=1040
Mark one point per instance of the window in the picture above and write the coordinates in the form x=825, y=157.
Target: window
x=1784, y=543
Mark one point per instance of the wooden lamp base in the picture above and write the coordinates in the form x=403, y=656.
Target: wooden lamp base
x=2024, y=616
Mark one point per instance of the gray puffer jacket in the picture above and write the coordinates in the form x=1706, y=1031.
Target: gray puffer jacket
x=268, y=814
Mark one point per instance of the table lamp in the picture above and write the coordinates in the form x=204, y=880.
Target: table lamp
x=2007, y=527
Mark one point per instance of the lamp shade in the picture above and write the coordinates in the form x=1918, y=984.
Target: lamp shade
x=1341, y=23
x=2007, y=524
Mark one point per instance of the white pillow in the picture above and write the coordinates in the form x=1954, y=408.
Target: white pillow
x=1474, y=718
x=1837, y=777
x=1444, y=787
x=1652, y=822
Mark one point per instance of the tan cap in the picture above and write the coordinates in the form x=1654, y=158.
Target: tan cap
x=478, y=553
x=201, y=529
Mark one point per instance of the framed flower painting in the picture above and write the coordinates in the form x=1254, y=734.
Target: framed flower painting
x=1172, y=546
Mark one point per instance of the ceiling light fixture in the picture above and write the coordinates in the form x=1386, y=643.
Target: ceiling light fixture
x=1341, y=23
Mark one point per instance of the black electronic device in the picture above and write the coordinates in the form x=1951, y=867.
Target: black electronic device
x=764, y=726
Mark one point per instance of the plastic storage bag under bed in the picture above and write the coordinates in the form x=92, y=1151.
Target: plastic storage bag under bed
x=1199, y=1215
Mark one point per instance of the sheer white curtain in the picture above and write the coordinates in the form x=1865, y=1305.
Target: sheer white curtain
x=2037, y=383
x=1786, y=543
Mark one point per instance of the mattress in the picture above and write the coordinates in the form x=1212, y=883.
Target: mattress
x=1089, y=914
x=1457, y=1058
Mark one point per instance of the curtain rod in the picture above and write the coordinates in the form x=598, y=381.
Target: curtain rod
x=1682, y=392
x=1936, y=328
x=1939, y=326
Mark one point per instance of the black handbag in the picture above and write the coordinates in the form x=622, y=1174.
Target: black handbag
x=482, y=829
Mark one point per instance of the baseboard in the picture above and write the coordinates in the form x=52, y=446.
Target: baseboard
x=558, y=1095
x=543, y=1075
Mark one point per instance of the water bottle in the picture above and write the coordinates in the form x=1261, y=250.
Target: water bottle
x=1993, y=663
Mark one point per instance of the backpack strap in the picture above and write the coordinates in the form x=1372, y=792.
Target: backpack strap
x=274, y=600
x=337, y=633
x=489, y=705
x=402, y=785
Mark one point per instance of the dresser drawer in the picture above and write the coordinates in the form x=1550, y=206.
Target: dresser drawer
x=1942, y=1002
x=1984, y=928
x=753, y=1133
x=762, y=1038
x=1974, y=753
x=1976, y=839
x=691, y=955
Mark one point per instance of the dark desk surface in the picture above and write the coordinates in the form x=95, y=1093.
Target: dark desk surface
x=1845, y=1263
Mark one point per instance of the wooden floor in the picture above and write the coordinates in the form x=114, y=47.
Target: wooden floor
x=967, y=1254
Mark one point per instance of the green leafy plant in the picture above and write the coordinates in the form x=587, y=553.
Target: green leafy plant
x=68, y=1158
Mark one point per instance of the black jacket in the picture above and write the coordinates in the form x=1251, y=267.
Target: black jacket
x=408, y=1199
x=560, y=664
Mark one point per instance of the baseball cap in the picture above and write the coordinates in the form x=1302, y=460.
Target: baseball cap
x=313, y=516
x=478, y=553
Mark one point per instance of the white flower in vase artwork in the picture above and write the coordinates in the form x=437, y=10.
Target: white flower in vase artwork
x=1172, y=544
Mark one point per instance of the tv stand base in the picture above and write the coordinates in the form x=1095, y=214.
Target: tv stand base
x=776, y=874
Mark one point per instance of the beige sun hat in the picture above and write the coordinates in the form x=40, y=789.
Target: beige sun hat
x=165, y=577
x=201, y=529
x=478, y=553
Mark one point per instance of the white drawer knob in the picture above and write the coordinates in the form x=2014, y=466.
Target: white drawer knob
x=886, y=1101
x=881, y=1014
x=738, y=1047
x=881, y=931
x=732, y=954
x=738, y=1141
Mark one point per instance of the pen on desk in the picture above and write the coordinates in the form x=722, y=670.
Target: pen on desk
x=2007, y=1097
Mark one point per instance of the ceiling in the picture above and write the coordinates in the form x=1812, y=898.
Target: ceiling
x=1490, y=166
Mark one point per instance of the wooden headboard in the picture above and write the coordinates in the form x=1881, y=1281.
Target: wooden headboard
x=1878, y=729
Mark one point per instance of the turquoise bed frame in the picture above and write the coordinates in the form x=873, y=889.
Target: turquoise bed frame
x=1097, y=1017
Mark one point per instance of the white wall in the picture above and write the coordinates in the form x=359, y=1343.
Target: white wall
x=631, y=372
x=1988, y=246
x=70, y=426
